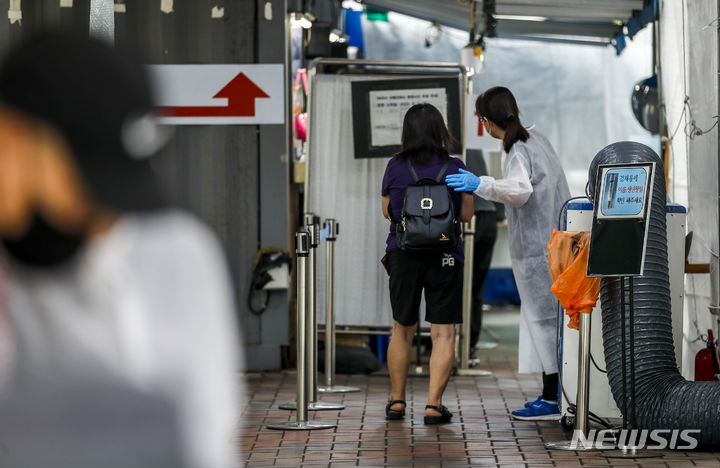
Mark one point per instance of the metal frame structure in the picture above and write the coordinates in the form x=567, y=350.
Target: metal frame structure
x=377, y=67
x=384, y=67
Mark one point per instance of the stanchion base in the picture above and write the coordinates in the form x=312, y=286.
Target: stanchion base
x=314, y=406
x=324, y=406
x=338, y=389
x=300, y=426
x=492, y=334
x=476, y=372
x=486, y=345
x=570, y=446
x=419, y=371
x=631, y=452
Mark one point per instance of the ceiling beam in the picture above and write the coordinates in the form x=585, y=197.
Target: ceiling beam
x=454, y=15
x=571, y=12
x=562, y=28
x=614, y=4
x=593, y=10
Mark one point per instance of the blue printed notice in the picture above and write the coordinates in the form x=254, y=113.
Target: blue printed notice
x=624, y=191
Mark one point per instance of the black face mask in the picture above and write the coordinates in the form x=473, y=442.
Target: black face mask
x=43, y=245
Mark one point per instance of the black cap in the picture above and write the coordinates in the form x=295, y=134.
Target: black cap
x=98, y=97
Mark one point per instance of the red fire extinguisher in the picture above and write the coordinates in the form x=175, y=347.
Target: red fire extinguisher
x=707, y=364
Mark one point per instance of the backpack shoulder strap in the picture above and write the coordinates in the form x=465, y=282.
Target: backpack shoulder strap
x=441, y=175
x=412, y=170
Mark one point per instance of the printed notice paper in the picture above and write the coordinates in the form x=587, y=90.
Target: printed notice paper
x=388, y=108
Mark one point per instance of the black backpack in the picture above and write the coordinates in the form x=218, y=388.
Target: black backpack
x=428, y=221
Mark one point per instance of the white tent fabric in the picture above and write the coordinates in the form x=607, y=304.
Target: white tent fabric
x=579, y=96
x=689, y=41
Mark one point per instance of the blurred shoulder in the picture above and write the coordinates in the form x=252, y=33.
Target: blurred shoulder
x=175, y=232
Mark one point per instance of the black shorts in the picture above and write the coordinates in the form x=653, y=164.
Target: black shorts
x=438, y=273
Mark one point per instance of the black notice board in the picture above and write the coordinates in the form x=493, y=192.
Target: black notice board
x=616, y=248
x=619, y=240
x=362, y=128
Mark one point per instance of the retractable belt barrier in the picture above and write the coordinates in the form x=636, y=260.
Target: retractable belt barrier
x=302, y=250
x=312, y=225
x=333, y=229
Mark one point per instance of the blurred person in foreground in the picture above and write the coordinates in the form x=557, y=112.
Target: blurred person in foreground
x=106, y=281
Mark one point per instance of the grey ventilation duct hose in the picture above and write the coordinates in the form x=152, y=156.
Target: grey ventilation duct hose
x=664, y=399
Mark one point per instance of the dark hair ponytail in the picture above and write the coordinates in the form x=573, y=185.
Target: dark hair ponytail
x=499, y=106
x=514, y=131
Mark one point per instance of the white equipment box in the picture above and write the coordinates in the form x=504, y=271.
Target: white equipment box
x=579, y=215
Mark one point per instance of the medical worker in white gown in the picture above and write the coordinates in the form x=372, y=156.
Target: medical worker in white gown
x=533, y=189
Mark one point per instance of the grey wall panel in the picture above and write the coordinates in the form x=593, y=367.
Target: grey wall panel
x=273, y=190
x=39, y=15
x=212, y=170
x=7, y=31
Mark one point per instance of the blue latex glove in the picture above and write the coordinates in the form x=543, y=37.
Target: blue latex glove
x=466, y=181
x=325, y=232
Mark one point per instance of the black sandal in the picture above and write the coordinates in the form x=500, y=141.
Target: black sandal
x=395, y=414
x=445, y=415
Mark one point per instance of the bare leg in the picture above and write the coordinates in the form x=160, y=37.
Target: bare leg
x=399, y=360
x=441, y=363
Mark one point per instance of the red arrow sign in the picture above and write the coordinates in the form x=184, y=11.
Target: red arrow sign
x=241, y=93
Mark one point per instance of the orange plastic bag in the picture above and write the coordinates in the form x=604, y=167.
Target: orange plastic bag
x=567, y=257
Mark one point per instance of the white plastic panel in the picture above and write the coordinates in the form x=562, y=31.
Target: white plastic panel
x=601, y=400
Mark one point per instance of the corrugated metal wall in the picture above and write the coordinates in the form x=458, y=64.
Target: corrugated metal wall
x=213, y=170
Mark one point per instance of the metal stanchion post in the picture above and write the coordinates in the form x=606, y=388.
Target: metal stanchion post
x=581, y=408
x=583, y=387
x=330, y=387
x=301, y=423
x=312, y=311
x=311, y=330
x=469, y=240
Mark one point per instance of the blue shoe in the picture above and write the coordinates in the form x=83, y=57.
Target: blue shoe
x=533, y=402
x=538, y=411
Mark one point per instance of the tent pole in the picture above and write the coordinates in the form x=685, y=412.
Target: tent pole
x=717, y=96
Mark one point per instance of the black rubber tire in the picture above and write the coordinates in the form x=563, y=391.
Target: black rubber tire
x=567, y=423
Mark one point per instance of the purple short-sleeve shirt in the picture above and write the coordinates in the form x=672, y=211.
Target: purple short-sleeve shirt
x=397, y=177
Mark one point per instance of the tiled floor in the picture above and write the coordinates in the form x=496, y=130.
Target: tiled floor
x=481, y=434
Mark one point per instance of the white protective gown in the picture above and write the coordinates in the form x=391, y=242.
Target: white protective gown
x=533, y=189
x=150, y=305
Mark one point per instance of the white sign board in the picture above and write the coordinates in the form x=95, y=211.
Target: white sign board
x=219, y=94
x=388, y=108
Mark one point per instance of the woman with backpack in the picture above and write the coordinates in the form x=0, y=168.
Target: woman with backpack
x=534, y=189
x=416, y=260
